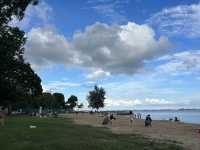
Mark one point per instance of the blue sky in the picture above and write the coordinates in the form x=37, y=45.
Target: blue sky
x=145, y=53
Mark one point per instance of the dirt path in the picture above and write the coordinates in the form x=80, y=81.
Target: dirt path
x=187, y=134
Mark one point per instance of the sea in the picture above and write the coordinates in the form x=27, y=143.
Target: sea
x=186, y=116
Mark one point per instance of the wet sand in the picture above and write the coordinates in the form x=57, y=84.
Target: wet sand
x=185, y=134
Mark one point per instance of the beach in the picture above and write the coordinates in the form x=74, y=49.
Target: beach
x=183, y=133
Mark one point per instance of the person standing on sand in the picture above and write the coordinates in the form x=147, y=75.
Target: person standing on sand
x=148, y=121
x=140, y=116
x=131, y=118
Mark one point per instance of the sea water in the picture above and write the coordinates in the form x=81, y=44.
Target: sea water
x=187, y=116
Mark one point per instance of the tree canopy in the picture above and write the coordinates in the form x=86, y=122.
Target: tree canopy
x=59, y=99
x=17, y=78
x=13, y=8
x=72, y=102
x=49, y=102
x=96, y=97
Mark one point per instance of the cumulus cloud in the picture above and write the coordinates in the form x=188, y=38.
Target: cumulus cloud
x=179, y=20
x=45, y=48
x=119, y=49
x=109, y=48
x=187, y=62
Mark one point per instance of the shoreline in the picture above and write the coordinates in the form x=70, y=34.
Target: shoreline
x=185, y=134
x=191, y=116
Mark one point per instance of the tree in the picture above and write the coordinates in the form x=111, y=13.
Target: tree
x=96, y=97
x=17, y=79
x=48, y=101
x=59, y=100
x=72, y=102
x=16, y=8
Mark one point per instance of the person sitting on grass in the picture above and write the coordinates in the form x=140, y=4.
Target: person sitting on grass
x=2, y=118
x=108, y=119
x=148, y=121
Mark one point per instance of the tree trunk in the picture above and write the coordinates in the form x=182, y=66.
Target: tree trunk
x=9, y=109
x=97, y=115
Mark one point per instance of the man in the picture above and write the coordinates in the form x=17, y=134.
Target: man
x=131, y=118
x=148, y=121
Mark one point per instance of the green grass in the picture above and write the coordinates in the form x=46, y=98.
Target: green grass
x=63, y=134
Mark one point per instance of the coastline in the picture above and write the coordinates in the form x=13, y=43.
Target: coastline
x=185, y=134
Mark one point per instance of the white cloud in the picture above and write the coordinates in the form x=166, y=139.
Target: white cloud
x=123, y=103
x=45, y=47
x=98, y=74
x=35, y=16
x=59, y=85
x=178, y=20
x=119, y=49
x=187, y=62
x=127, y=103
x=111, y=49
x=141, y=89
x=112, y=9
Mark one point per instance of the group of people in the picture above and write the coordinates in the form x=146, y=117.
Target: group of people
x=135, y=115
x=109, y=117
x=147, y=121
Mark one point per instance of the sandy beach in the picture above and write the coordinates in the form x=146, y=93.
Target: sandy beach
x=185, y=134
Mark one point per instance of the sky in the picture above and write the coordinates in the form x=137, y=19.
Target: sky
x=144, y=53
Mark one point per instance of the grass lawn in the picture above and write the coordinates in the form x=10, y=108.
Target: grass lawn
x=63, y=134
